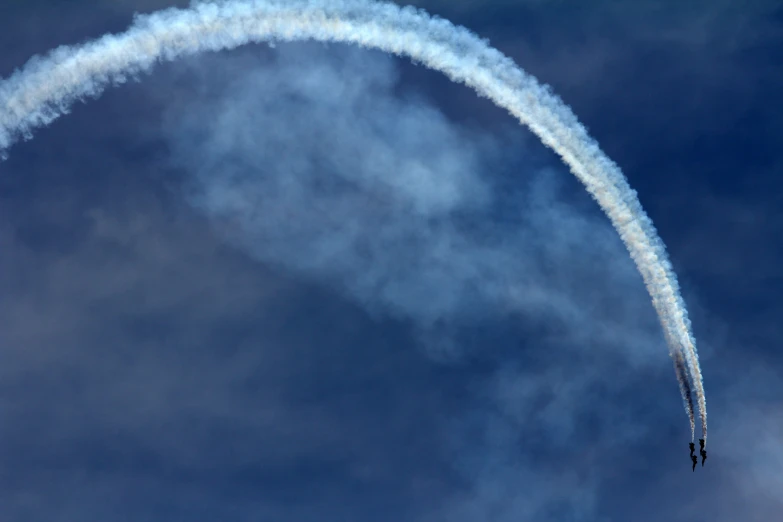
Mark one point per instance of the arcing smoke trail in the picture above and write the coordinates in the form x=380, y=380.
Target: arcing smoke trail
x=47, y=86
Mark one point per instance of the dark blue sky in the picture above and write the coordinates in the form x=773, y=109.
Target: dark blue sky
x=320, y=283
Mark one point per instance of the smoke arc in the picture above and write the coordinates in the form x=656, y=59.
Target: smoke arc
x=46, y=87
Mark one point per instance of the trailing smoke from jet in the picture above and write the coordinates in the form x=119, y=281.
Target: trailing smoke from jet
x=681, y=372
x=46, y=87
x=685, y=389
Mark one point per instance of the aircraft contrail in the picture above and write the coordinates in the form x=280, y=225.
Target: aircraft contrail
x=46, y=87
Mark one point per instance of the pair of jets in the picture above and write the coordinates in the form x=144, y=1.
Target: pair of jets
x=702, y=452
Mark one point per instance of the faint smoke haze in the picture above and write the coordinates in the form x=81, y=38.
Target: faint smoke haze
x=315, y=164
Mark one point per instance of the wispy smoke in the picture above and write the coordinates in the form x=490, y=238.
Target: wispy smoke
x=48, y=86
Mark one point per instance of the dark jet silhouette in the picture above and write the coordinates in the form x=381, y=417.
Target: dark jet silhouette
x=701, y=445
x=694, y=460
x=693, y=448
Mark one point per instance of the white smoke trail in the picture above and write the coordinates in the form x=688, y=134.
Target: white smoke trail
x=47, y=86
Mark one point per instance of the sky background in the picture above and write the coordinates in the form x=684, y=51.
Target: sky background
x=318, y=283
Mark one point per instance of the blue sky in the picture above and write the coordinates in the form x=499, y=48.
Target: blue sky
x=320, y=283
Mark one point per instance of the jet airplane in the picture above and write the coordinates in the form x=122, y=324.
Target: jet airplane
x=694, y=460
